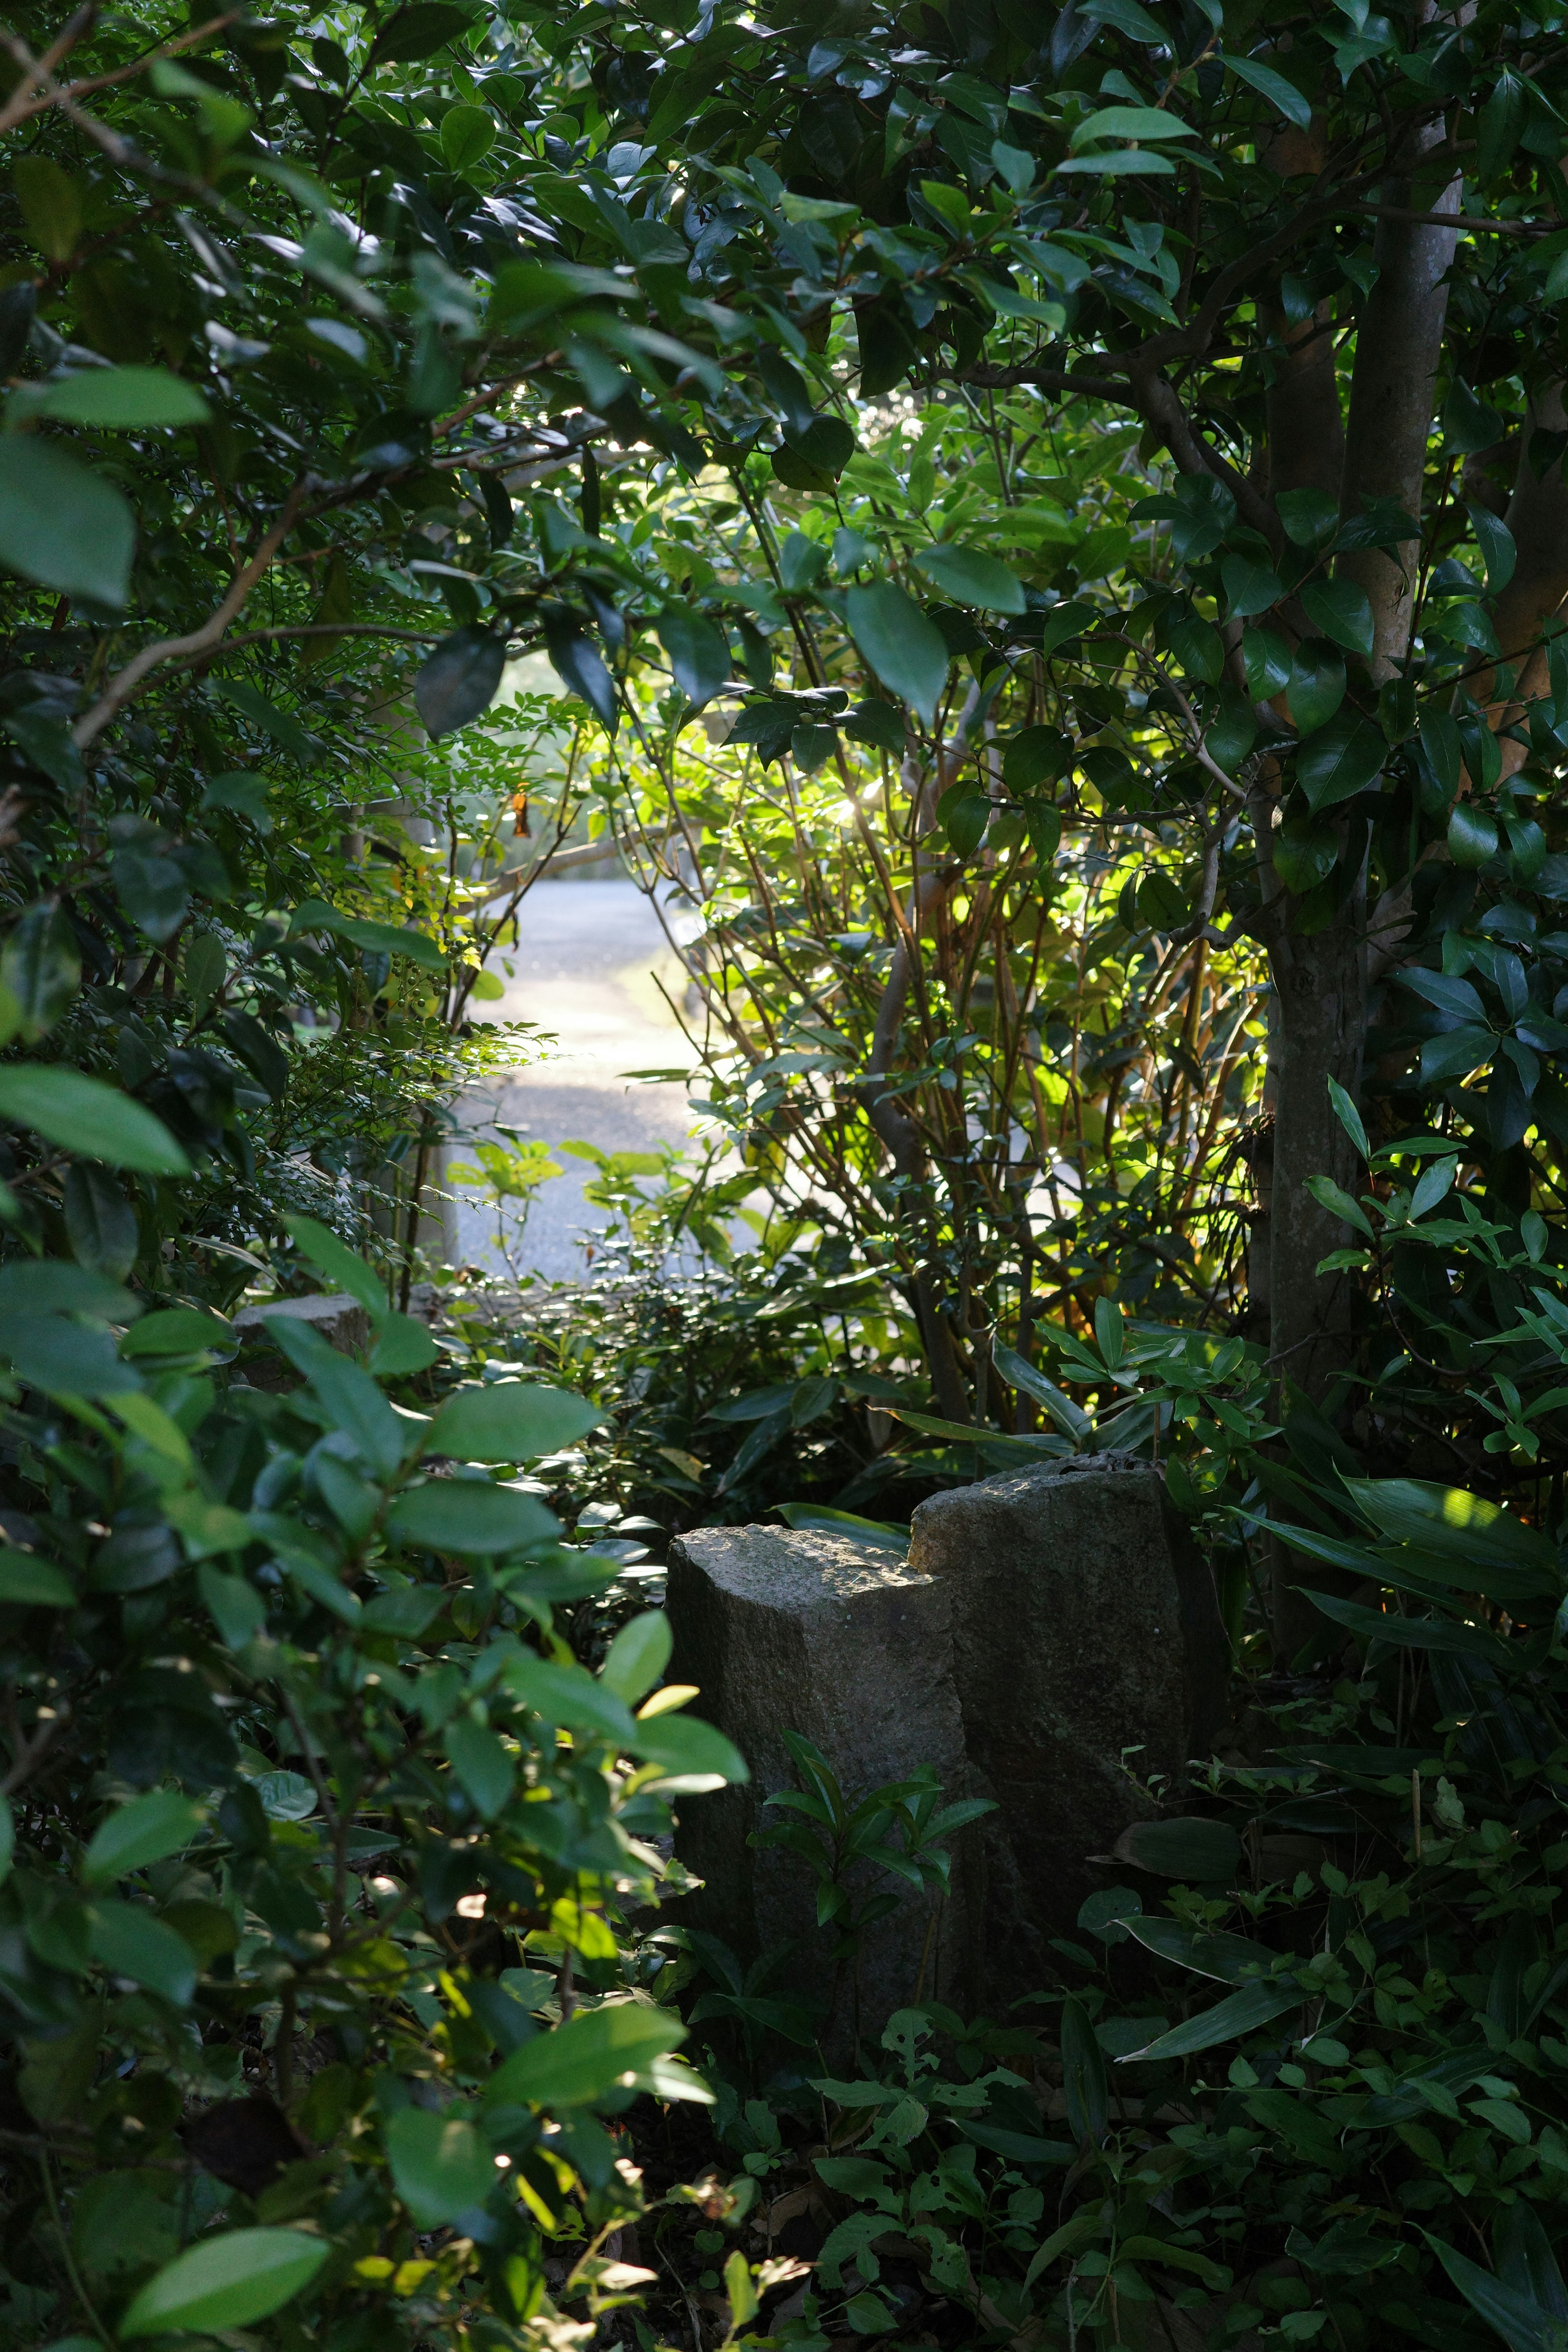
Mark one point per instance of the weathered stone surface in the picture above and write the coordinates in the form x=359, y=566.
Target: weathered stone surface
x=342, y=1321
x=1084, y=1625
x=829, y=1637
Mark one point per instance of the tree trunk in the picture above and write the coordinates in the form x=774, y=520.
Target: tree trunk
x=1320, y=979
x=1399, y=341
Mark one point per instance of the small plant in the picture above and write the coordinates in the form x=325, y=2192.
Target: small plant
x=510, y=1172
x=897, y=1831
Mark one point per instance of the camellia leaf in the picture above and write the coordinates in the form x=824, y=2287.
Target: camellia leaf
x=81, y=1114
x=637, y=1656
x=698, y=653
x=1343, y=758
x=1498, y=549
x=64, y=1358
x=594, y=2053
x=469, y=1515
x=439, y=2163
x=467, y=134
x=62, y=525
x=230, y=2281
x=1340, y=610
x=139, y=1832
x=1472, y=835
x=1274, y=88
x=459, y=680
x=905, y=650
x=1317, y=684
x=482, y=1763
x=702, y=1757
x=29, y=1583
x=509, y=1421
x=971, y=578
x=1440, y=740
x=1035, y=756
x=124, y=399
x=131, y=1942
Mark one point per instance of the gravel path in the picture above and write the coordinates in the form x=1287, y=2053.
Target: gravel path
x=583, y=971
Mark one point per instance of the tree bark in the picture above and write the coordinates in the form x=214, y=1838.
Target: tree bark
x=1320, y=979
x=1399, y=340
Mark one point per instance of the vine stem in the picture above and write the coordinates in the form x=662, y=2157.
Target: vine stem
x=78, y=2288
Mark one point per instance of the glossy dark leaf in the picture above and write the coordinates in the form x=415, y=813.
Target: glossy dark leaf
x=457, y=682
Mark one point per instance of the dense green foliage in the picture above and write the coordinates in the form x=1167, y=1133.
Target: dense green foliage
x=1048, y=527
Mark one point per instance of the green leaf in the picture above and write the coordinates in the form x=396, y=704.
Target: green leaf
x=469, y=1516
x=7, y=1839
x=81, y=1114
x=482, y=1763
x=700, y=1757
x=411, y=34
x=41, y=966
x=388, y=939
x=698, y=653
x=1035, y=756
x=1472, y=835
x=1439, y=739
x=1274, y=87
x=439, y=2163
x=51, y=1286
x=638, y=1655
x=27, y=1583
x=1251, y=586
x=1523, y=2324
x=1199, y=648
x=878, y=723
x=963, y=812
x=1239, y=2013
x=402, y=1345
x=1083, y=2075
x=344, y=1269
x=592, y=2054
x=1349, y=1118
x=905, y=650
x=64, y=1358
x=226, y=2282
x=1129, y=123
x=1202, y=1852
x=509, y=1421
x=467, y=134
x=569, y=1696
x=1407, y=1632
x=348, y=1392
x=1339, y=1203
x=124, y=399
x=1129, y=16
x=1469, y=424
x=1317, y=684
x=1311, y=519
x=971, y=578
x=1456, y=1053
x=61, y=526
x=1267, y=659
x=1499, y=552
x=1340, y=610
x=127, y=1941
x=1343, y=758
x=139, y=1832
x=459, y=679
x=178, y=1331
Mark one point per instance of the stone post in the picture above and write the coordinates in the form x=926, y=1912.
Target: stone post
x=830, y=1637
x=1088, y=1655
